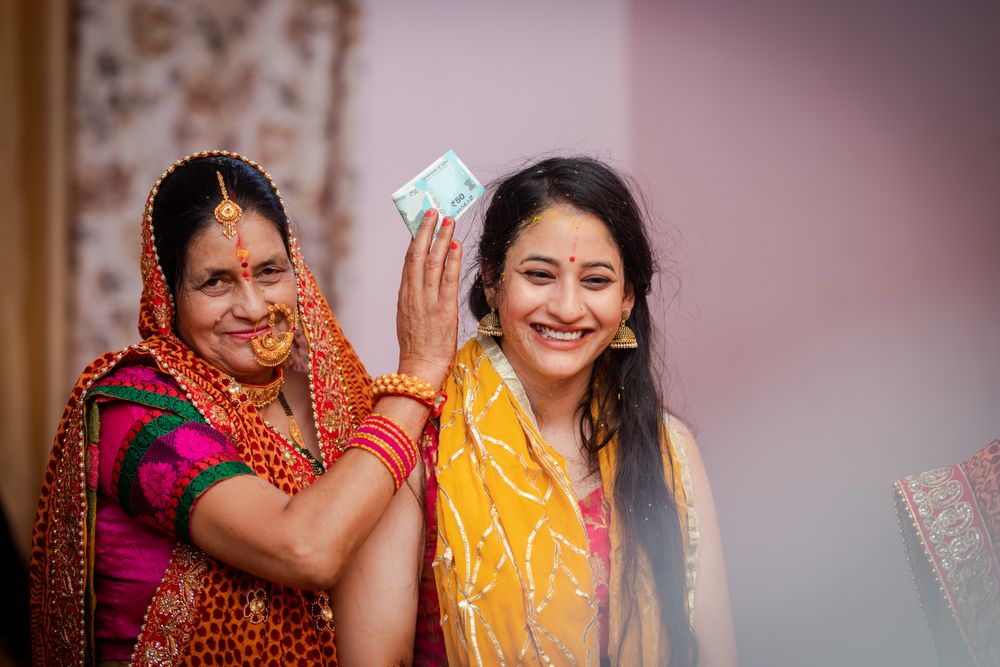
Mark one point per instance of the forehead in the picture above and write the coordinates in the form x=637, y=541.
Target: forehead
x=210, y=249
x=562, y=229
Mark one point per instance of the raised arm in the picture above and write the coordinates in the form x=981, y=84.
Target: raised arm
x=307, y=540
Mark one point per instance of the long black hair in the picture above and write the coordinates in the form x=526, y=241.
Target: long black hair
x=186, y=200
x=622, y=381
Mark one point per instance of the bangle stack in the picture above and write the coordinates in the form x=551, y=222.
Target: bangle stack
x=399, y=384
x=387, y=441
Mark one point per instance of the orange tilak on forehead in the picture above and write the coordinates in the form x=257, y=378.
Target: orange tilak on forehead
x=243, y=255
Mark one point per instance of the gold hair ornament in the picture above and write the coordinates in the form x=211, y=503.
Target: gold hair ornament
x=271, y=349
x=624, y=338
x=228, y=212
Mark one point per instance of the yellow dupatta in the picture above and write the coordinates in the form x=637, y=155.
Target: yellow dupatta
x=512, y=563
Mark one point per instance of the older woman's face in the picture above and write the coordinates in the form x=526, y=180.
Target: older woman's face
x=221, y=305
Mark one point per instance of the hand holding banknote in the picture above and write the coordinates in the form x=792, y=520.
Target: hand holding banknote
x=427, y=308
x=446, y=185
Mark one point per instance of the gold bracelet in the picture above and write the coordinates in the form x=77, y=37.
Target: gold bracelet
x=400, y=384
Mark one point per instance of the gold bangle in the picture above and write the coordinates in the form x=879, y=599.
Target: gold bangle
x=399, y=384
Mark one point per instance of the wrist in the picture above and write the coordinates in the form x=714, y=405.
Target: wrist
x=433, y=374
x=410, y=387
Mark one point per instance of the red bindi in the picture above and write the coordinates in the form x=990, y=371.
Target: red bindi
x=572, y=259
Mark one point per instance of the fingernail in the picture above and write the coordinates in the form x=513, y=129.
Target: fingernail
x=454, y=246
x=429, y=213
x=446, y=222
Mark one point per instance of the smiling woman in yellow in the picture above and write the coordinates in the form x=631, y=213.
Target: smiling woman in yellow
x=569, y=518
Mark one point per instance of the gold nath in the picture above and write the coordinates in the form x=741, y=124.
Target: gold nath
x=228, y=212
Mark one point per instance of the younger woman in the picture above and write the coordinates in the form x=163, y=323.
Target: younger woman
x=570, y=520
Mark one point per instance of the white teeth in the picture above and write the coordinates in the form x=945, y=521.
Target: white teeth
x=559, y=335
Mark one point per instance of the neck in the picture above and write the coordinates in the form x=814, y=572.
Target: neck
x=555, y=401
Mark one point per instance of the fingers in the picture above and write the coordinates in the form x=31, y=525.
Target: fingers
x=438, y=255
x=416, y=252
x=450, y=275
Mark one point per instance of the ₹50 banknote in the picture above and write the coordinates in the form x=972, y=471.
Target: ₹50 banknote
x=447, y=185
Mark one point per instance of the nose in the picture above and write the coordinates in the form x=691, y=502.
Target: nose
x=566, y=303
x=250, y=305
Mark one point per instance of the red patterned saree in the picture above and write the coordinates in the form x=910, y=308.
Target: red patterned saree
x=950, y=520
x=203, y=611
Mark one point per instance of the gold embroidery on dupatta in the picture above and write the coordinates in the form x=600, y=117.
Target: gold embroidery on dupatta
x=464, y=591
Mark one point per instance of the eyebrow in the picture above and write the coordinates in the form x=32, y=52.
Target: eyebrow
x=587, y=265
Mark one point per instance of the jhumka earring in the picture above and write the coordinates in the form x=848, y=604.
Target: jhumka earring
x=271, y=349
x=624, y=338
x=490, y=324
x=228, y=212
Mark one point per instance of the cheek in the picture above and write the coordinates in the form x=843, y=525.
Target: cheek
x=197, y=316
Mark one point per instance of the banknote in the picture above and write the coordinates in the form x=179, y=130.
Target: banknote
x=447, y=185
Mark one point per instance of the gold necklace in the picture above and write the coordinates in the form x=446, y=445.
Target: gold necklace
x=293, y=426
x=262, y=395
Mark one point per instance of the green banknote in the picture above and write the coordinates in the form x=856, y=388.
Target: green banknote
x=446, y=185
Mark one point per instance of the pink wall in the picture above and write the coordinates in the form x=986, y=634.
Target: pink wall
x=827, y=177
x=834, y=172
x=499, y=84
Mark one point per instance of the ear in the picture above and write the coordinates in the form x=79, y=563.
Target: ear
x=629, y=301
x=490, y=289
x=491, y=294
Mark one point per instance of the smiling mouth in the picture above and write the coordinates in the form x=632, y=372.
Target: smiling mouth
x=553, y=334
x=249, y=333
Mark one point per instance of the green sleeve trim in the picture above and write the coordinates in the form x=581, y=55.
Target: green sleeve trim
x=200, y=484
x=150, y=398
x=137, y=449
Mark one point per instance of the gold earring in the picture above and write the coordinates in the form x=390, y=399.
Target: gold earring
x=272, y=350
x=490, y=324
x=624, y=338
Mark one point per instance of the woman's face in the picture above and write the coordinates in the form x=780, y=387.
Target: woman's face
x=561, y=296
x=221, y=305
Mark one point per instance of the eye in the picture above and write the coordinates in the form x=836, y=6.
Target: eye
x=270, y=273
x=597, y=282
x=214, y=285
x=537, y=275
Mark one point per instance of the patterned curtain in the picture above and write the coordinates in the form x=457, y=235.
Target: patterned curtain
x=154, y=80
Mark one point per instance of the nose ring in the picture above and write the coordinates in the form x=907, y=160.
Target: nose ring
x=271, y=349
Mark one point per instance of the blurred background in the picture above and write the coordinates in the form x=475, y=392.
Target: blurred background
x=823, y=181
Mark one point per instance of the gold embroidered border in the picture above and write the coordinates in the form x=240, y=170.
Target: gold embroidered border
x=942, y=509
x=693, y=530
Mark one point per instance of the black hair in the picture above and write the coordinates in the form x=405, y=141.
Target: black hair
x=622, y=383
x=186, y=200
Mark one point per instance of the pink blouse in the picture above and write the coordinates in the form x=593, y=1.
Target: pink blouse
x=429, y=648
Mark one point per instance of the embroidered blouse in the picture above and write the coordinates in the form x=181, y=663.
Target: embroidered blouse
x=156, y=457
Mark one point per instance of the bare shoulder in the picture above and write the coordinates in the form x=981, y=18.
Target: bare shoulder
x=684, y=443
x=710, y=607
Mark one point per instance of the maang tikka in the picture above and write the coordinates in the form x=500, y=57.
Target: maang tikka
x=228, y=212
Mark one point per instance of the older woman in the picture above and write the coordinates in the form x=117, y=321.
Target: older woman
x=208, y=485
